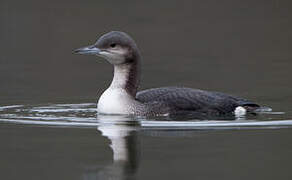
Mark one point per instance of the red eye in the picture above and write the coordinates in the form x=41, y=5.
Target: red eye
x=113, y=45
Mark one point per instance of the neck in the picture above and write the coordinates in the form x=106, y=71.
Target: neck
x=127, y=76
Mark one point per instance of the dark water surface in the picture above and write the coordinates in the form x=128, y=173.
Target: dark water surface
x=48, y=123
x=38, y=152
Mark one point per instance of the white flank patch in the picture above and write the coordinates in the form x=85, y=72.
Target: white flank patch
x=239, y=111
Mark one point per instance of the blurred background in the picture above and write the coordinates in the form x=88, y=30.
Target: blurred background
x=242, y=47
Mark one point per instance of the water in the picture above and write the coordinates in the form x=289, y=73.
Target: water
x=72, y=141
x=49, y=128
x=85, y=115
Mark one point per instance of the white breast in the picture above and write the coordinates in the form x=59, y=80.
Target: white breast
x=115, y=101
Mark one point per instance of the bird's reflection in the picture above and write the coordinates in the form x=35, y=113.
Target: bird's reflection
x=124, y=142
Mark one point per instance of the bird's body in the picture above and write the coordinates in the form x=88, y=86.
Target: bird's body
x=122, y=96
x=193, y=99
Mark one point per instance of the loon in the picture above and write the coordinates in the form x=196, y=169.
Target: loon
x=122, y=96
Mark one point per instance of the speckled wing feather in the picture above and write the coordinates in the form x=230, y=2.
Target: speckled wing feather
x=188, y=99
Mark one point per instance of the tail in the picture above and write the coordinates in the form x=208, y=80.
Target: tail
x=263, y=109
x=255, y=108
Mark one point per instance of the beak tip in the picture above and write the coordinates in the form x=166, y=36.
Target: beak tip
x=75, y=51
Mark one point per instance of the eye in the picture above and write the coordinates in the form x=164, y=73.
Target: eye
x=113, y=45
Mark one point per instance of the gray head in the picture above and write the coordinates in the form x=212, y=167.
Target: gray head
x=116, y=47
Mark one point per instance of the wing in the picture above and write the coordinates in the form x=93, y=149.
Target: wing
x=188, y=99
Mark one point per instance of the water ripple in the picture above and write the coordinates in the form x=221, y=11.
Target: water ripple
x=85, y=115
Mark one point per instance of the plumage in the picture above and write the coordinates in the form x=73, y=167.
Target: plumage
x=188, y=99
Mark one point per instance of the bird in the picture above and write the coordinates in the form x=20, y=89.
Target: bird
x=122, y=96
